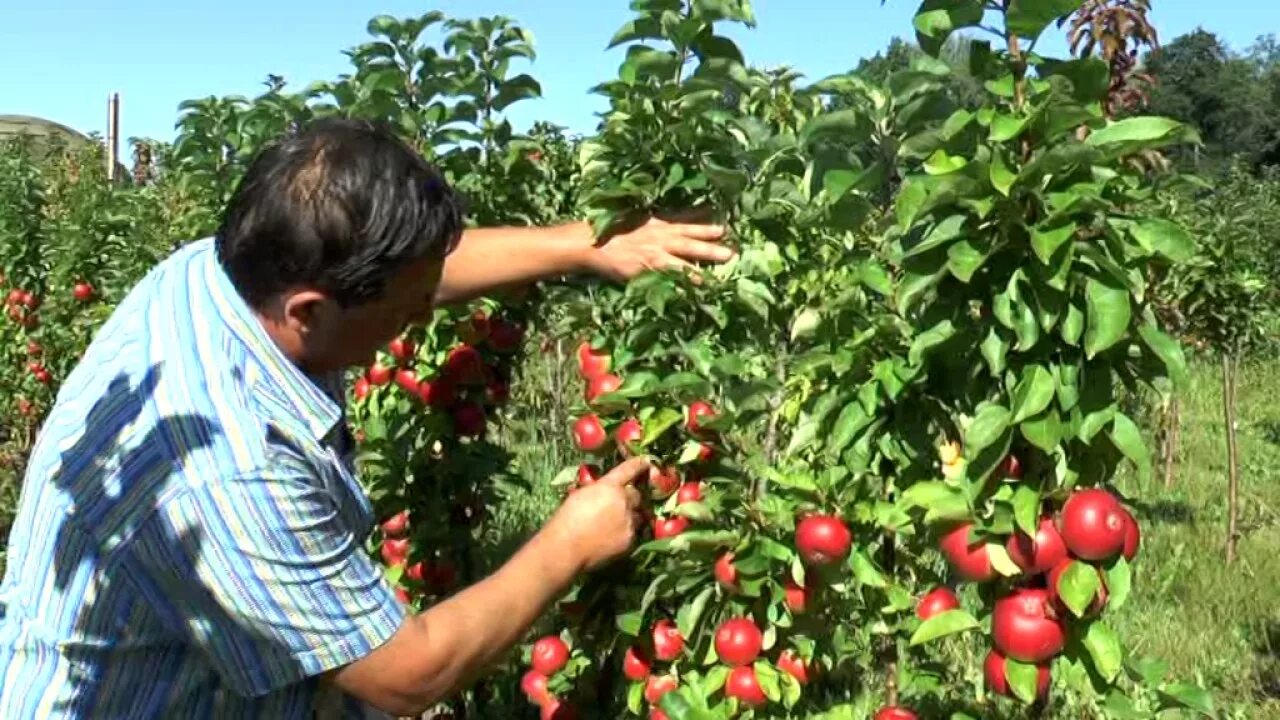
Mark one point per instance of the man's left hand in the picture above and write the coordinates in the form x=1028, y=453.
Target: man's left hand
x=659, y=245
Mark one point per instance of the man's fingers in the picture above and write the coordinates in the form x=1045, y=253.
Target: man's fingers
x=633, y=499
x=699, y=250
x=697, y=231
x=628, y=472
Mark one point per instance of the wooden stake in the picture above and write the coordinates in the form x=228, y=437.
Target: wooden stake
x=1233, y=474
x=1173, y=429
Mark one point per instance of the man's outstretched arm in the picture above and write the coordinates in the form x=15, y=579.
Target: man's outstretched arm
x=492, y=258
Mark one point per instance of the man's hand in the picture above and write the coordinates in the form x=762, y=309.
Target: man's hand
x=597, y=523
x=659, y=245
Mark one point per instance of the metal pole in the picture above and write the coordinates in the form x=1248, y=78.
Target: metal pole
x=113, y=135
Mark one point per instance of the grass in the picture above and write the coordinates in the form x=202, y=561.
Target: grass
x=1215, y=625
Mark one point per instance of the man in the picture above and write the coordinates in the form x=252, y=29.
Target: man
x=189, y=542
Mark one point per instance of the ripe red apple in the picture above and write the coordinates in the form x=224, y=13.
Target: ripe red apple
x=697, y=410
x=635, y=665
x=379, y=374
x=15, y=297
x=1093, y=524
x=667, y=641
x=1025, y=626
x=669, y=527
x=1099, y=599
x=822, y=539
x=663, y=482
x=505, y=337
x=25, y=407
x=396, y=525
x=395, y=550
x=738, y=641
x=657, y=714
x=43, y=377
x=936, y=602
x=1040, y=554
x=402, y=349
x=403, y=596
x=550, y=655
x=743, y=684
x=593, y=361
x=362, y=388
x=534, y=685
x=993, y=671
x=706, y=453
x=589, y=434
x=971, y=561
x=82, y=292
x=469, y=419
x=440, y=393
x=726, y=574
x=795, y=596
x=587, y=474
x=416, y=571
x=689, y=492
x=34, y=349
x=601, y=384
x=793, y=665
x=475, y=329
x=657, y=686
x=31, y=300
x=630, y=431
x=557, y=709
x=1010, y=467
x=465, y=366
x=896, y=712
x=1132, y=537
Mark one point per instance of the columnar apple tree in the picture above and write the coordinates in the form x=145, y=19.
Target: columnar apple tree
x=887, y=428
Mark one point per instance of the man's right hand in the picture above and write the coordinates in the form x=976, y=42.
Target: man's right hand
x=597, y=523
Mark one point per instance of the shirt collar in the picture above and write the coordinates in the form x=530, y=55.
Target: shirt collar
x=316, y=401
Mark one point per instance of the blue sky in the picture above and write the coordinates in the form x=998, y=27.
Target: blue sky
x=61, y=59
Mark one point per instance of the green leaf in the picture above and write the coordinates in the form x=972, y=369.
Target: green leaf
x=1104, y=647
x=1002, y=178
x=1045, y=432
x=1001, y=561
x=629, y=623
x=946, y=623
x=1108, y=315
x=988, y=425
x=1090, y=77
x=994, y=350
x=1143, y=130
x=1188, y=696
x=1072, y=326
x=1029, y=18
x=937, y=19
x=1078, y=586
x=942, y=163
x=1026, y=509
x=1119, y=582
x=1168, y=350
x=1007, y=127
x=964, y=259
x=865, y=570
x=1033, y=393
x=948, y=229
x=849, y=126
x=1046, y=240
x=1165, y=237
x=929, y=339
x=805, y=323
x=645, y=27
x=1128, y=440
x=1022, y=678
x=852, y=419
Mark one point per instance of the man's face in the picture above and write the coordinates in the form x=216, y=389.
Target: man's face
x=342, y=338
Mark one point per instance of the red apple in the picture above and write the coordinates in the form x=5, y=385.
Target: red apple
x=592, y=361
x=993, y=672
x=635, y=665
x=669, y=527
x=589, y=434
x=534, y=685
x=1038, y=555
x=629, y=432
x=793, y=665
x=440, y=393
x=396, y=525
x=823, y=539
x=1132, y=537
x=657, y=686
x=697, y=410
x=1093, y=524
x=395, y=550
x=402, y=349
x=465, y=366
x=667, y=641
x=505, y=337
x=600, y=385
x=726, y=574
x=550, y=655
x=1025, y=626
x=469, y=419
x=796, y=597
x=557, y=709
x=379, y=374
x=896, y=712
x=689, y=492
x=743, y=684
x=936, y=602
x=738, y=641
x=1010, y=467
x=587, y=474
x=362, y=388
x=663, y=482
x=970, y=560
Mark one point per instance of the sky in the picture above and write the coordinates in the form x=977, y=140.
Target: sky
x=61, y=59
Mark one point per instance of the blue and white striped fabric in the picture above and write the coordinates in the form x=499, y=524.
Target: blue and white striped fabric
x=189, y=542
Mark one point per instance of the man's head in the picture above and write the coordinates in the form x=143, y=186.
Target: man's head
x=336, y=238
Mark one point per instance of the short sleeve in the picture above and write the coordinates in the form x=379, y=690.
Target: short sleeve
x=266, y=579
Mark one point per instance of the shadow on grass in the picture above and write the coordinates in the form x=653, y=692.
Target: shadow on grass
x=1266, y=646
x=1172, y=512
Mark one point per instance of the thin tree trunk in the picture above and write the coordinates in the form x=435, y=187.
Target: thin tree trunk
x=1173, y=431
x=1233, y=474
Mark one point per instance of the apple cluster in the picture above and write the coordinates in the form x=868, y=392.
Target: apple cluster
x=436, y=577
x=473, y=379
x=1061, y=577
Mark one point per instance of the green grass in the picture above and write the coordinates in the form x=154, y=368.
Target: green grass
x=1215, y=625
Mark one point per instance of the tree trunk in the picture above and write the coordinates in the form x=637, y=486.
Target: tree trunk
x=1173, y=429
x=1233, y=473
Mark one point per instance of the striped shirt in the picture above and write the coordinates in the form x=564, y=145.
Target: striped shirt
x=190, y=538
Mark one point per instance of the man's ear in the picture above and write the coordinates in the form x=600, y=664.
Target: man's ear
x=300, y=310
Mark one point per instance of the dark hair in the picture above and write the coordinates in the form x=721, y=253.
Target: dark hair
x=340, y=206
